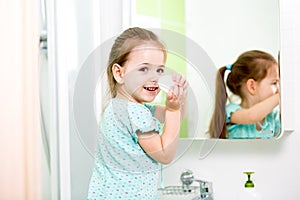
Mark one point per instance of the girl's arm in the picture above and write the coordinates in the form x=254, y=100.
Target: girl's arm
x=255, y=113
x=162, y=148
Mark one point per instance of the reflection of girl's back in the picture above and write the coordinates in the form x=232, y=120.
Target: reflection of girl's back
x=254, y=77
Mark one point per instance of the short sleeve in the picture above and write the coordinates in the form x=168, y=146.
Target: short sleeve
x=231, y=108
x=142, y=120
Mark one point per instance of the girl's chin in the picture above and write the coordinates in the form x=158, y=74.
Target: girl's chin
x=144, y=100
x=146, y=97
x=149, y=98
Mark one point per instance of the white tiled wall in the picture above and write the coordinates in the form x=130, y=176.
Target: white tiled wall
x=276, y=162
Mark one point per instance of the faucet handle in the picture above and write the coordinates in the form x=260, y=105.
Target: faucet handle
x=187, y=177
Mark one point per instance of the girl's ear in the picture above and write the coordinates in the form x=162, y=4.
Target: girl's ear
x=118, y=73
x=251, y=86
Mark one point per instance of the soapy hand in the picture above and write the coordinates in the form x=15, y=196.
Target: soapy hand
x=177, y=93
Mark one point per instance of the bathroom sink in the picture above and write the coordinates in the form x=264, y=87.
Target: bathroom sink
x=177, y=193
x=187, y=191
x=177, y=197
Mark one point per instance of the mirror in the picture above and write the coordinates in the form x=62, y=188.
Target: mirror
x=223, y=32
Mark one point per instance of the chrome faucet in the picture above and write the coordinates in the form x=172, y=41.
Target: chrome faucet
x=206, y=192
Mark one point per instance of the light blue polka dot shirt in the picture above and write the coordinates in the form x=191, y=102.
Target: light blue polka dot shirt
x=270, y=128
x=122, y=169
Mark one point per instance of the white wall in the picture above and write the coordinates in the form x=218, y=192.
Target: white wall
x=232, y=27
x=275, y=162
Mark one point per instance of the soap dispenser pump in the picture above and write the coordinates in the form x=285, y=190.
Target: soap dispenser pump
x=249, y=192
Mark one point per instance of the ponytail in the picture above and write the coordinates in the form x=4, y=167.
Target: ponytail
x=217, y=126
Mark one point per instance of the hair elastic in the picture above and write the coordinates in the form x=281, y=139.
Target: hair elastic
x=228, y=67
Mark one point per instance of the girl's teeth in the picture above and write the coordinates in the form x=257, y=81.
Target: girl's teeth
x=150, y=88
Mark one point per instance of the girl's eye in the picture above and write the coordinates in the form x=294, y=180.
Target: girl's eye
x=143, y=69
x=161, y=71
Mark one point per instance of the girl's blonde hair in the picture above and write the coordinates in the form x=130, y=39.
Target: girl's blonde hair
x=123, y=45
x=249, y=65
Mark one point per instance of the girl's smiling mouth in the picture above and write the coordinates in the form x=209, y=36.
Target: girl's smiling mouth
x=152, y=88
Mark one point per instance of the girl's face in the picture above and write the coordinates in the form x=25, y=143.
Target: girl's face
x=269, y=85
x=144, y=65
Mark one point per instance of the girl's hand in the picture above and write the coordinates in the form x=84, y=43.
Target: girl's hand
x=177, y=93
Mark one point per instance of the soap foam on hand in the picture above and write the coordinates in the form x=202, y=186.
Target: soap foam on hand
x=165, y=83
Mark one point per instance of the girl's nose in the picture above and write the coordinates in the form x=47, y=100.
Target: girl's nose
x=277, y=88
x=154, y=76
x=154, y=79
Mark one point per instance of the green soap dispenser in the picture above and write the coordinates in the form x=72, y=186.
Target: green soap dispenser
x=249, y=192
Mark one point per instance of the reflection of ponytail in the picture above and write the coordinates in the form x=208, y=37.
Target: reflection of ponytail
x=217, y=127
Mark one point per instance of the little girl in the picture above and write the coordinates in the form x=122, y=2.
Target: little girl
x=131, y=140
x=254, y=77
